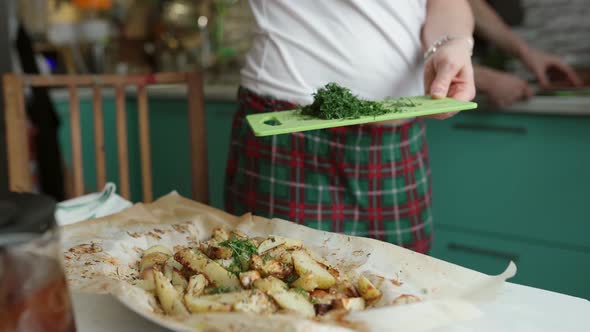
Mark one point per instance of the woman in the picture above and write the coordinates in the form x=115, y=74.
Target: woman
x=365, y=180
x=502, y=88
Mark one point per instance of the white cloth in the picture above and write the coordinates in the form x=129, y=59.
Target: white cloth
x=370, y=46
x=90, y=206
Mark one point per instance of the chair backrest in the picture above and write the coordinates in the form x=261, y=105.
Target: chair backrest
x=16, y=128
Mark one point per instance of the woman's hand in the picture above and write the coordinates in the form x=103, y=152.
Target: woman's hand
x=502, y=89
x=539, y=63
x=449, y=73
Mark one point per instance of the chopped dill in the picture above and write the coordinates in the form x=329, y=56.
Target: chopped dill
x=336, y=102
x=219, y=290
x=291, y=278
x=242, y=251
x=301, y=291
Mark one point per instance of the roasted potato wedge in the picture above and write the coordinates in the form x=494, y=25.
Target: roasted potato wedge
x=270, y=243
x=347, y=288
x=308, y=268
x=349, y=304
x=205, y=304
x=248, y=278
x=275, y=241
x=292, y=244
x=148, y=276
x=220, y=234
x=151, y=260
x=179, y=280
x=225, y=263
x=280, y=254
x=287, y=299
x=216, y=251
x=270, y=284
x=238, y=234
x=170, y=265
x=168, y=296
x=158, y=248
x=197, y=262
x=271, y=267
x=368, y=291
x=291, y=300
x=252, y=301
x=196, y=285
x=257, y=302
x=257, y=240
x=147, y=285
x=308, y=282
x=320, y=296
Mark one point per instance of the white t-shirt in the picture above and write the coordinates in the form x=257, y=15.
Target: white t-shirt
x=370, y=46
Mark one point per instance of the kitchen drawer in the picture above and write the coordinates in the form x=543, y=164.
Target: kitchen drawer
x=527, y=176
x=552, y=268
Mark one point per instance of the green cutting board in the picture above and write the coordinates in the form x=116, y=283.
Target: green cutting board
x=283, y=122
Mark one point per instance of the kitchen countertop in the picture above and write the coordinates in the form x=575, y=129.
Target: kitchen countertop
x=545, y=105
x=221, y=92
x=516, y=308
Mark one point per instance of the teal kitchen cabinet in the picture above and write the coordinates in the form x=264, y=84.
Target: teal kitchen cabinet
x=219, y=121
x=542, y=266
x=521, y=179
x=169, y=144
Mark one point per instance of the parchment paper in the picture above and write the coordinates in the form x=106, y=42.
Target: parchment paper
x=101, y=256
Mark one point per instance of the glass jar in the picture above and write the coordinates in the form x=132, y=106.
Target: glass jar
x=33, y=291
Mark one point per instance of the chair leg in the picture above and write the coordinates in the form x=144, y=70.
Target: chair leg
x=68, y=182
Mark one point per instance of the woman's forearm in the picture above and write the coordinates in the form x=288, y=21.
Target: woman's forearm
x=446, y=17
x=483, y=77
x=491, y=26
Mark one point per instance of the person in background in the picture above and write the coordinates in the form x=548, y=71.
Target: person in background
x=501, y=88
x=364, y=180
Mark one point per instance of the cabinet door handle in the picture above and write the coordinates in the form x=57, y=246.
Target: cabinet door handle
x=483, y=251
x=492, y=128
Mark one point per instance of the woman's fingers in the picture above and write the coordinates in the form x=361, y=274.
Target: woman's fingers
x=449, y=73
x=445, y=72
x=463, y=88
x=569, y=73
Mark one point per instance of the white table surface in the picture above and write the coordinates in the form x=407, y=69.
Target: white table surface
x=517, y=308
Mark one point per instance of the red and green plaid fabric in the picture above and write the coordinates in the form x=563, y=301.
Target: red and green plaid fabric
x=363, y=180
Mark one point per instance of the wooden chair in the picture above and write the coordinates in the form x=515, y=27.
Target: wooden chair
x=17, y=141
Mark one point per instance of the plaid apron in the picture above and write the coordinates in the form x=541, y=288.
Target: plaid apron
x=362, y=180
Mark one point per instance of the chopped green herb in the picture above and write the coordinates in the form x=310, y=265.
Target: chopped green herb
x=313, y=300
x=301, y=291
x=336, y=102
x=234, y=268
x=266, y=258
x=219, y=290
x=291, y=278
x=242, y=251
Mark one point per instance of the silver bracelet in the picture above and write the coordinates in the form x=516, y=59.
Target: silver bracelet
x=445, y=39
